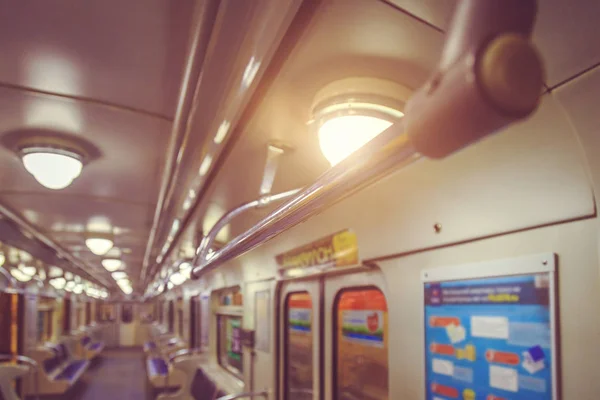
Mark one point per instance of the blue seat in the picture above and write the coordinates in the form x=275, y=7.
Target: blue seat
x=96, y=346
x=158, y=366
x=72, y=370
x=149, y=346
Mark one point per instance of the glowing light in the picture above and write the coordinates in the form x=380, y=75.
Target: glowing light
x=123, y=282
x=78, y=289
x=170, y=286
x=55, y=272
x=58, y=283
x=99, y=246
x=28, y=270
x=2, y=259
x=112, y=264
x=177, y=279
x=186, y=270
x=205, y=166
x=339, y=137
x=20, y=275
x=222, y=132
x=119, y=275
x=250, y=72
x=68, y=276
x=70, y=286
x=52, y=170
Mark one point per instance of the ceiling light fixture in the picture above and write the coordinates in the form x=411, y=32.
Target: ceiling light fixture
x=20, y=275
x=222, y=132
x=177, y=278
x=351, y=112
x=99, y=245
x=53, y=168
x=55, y=272
x=28, y=270
x=2, y=259
x=205, y=166
x=112, y=264
x=119, y=275
x=186, y=270
x=58, y=283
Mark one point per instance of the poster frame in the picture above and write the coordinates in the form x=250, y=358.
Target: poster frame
x=524, y=265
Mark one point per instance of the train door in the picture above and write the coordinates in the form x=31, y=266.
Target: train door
x=335, y=338
x=301, y=320
x=356, y=337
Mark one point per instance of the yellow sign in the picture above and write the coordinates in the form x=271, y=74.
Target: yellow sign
x=337, y=250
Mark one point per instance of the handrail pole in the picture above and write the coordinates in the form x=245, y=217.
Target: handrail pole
x=209, y=239
x=487, y=39
x=264, y=394
x=192, y=75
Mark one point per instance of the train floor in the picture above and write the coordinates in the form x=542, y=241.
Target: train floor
x=119, y=374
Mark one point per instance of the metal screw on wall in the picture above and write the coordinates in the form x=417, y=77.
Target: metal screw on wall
x=437, y=227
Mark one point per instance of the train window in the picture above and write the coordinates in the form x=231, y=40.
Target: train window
x=44, y=325
x=204, y=320
x=299, y=346
x=229, y=343
x=361, y=345
x=171, y=317
x=127, y=313
x=180, y=322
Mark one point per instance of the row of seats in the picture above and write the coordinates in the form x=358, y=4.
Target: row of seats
x=162, y=376
x=62, y=364
x=174, y=373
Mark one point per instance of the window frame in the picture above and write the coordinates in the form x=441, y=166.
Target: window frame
x=286, y=337
x=335, y=334
x=232, y=370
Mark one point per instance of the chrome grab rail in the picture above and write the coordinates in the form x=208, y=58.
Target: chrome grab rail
x=11, y=282
x=264, y=394
x=33, y=365
x=457, y=91
x=185, y=352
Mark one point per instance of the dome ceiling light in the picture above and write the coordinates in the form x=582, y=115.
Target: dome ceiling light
x=20, y=275
x=351, y=112
x=119, y=275
x=112, y=264
x=28, y=270
x=53, y=162
x=177, y=278
x=99, y=244
x=58, y=283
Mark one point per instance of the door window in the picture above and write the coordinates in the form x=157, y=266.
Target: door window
x=299, y=346
x=361, y=345
x=229, y=343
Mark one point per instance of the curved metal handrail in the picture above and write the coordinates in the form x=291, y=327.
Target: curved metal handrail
x=33, y=365
x=264, y=394
x=12, y=282
x=208, y=240
x=185, y=352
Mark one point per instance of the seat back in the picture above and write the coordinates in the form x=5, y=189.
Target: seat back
x=202, y=387
x=85, y=340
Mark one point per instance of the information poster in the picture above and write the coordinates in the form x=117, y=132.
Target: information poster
x=263, y=320
x=490, y=338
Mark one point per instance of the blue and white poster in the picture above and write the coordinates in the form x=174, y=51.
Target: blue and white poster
x=490, y=338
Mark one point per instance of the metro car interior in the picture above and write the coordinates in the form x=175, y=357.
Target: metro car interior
x=299, y=199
